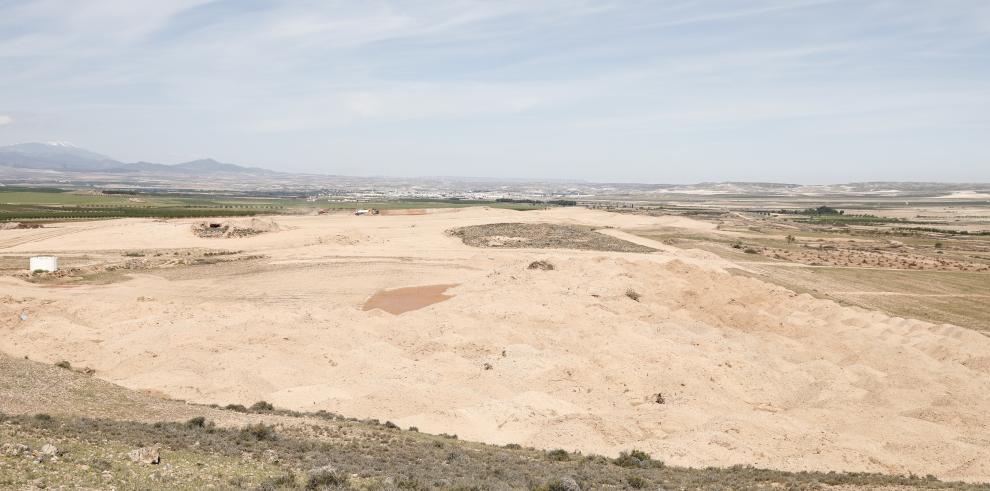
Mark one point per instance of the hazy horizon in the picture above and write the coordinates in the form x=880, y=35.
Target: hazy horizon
x=807, y=92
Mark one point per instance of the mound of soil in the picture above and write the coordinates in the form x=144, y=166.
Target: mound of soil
x=542, y=236
x=228, y=229
x=18, y=225
x=541, y=265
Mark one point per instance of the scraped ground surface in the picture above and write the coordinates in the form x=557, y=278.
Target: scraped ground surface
x=749, y=372
x=402, y=300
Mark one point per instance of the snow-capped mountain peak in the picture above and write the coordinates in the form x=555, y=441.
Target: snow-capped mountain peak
x=60, y=144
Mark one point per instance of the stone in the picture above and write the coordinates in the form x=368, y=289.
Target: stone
x=567, y=484
x=145, y=455
x=271, y=456
x=13, y=449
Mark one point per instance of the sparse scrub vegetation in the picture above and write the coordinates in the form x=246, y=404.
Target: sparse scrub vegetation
x=543, y=236
x=636, y=459
x=326, y=477
x=282, y=481
x=261, y=406
x=407, y=461
x=197, y=422
x=258, y=431
x=562, y=484
x=637, y=482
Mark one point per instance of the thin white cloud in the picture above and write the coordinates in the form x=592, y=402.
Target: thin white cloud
x=5, y=120
x=396, y=103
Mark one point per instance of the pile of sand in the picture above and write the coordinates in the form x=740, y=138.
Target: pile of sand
x=228, y=228
x=18, y=225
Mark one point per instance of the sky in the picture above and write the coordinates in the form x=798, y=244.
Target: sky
x=802, y=91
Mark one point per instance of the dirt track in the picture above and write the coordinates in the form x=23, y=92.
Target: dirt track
x=749, y=372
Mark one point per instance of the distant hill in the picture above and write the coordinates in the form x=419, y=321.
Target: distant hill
x=66, y=157
x=212, y=166
x=61, y=156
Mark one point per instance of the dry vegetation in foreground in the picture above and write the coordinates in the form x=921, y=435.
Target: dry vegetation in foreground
x=543, y=236
x=45, y=451
x=264, y=448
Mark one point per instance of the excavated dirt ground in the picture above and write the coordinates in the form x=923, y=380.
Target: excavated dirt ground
x=748, y=372
x=543, y=236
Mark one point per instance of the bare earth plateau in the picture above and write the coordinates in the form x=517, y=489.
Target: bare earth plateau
x=627, y=342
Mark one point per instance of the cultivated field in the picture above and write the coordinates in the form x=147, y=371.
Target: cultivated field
x=667, y=339
x=40, y=205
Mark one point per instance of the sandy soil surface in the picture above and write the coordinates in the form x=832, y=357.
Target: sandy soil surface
x=748, y=372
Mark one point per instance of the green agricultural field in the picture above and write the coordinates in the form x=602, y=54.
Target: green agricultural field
x=50, y=204
x=414, y=204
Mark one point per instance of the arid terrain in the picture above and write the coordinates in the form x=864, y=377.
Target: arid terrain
x=642, y=333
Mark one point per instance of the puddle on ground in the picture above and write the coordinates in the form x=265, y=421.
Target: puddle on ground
x=406, y=299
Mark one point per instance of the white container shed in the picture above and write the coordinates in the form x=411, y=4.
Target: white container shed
x=44, y=263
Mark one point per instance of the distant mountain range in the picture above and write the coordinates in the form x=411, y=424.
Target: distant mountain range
x=57, y=163
x=66, y=157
